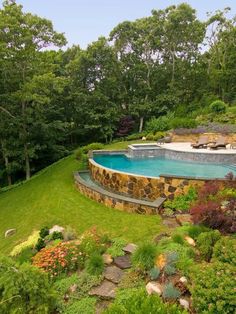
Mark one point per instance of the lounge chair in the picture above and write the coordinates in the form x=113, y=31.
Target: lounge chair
x=220, y=143
x=202, y=142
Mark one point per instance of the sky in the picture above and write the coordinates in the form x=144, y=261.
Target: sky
x=83, y=21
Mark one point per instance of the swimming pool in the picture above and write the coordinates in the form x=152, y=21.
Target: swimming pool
x=154, y=167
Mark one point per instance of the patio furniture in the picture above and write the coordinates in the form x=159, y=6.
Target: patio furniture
x=202, y=142
x=220, y=143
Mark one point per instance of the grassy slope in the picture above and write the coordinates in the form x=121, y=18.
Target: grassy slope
x=51, y=198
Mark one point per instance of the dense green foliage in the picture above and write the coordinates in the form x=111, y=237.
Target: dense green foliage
x=213, y=289
x=152, y=68
x=206, y=242
x=24, y=289
x=144, y=256
x=182, y=202
x=136, y=301
x=225, y=251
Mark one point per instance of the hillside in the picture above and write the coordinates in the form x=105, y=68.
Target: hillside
x=51, y=198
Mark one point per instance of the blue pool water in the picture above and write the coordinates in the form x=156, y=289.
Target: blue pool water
x=153, y=167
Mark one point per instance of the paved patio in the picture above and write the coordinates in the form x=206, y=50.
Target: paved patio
x=186, y=147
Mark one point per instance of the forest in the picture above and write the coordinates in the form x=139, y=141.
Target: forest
x=168, y=65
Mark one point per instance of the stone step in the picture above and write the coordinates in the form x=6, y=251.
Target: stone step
x=83, y=179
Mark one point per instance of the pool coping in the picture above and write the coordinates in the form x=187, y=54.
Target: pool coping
x=117, y=152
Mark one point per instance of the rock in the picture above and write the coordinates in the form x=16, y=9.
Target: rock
x=184, y=303
x=107, y=258
x=183, y=279
x=130, y=248
x=170, y=223
x=114, y=274
x=105, y=291
x=184, y=219
x=154, y=288
x=190, y=241
x=10, y=232
x=57, y=229
x=144, y=138
x=123, y=262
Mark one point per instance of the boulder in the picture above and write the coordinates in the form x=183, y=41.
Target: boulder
x=184, y=303
x=10, y=232
x=105, y=291
x=190, y=240
x=114, y=274
x=123, y=262
x=153, y=287
x=130, y=248
x=183, y=279
x=107, y=259
x=56, y=228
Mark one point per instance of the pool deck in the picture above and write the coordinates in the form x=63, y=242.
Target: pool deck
x=186, y=147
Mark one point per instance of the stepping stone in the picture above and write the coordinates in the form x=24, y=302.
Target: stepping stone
x=105, y=291
x=10, y=232
x=114, y=274
x=170, y=223
x=123, y=262
x=130, y=248
x=161, y=236
x=184, y=219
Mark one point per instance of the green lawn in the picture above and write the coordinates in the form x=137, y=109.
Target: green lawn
x=51, y=198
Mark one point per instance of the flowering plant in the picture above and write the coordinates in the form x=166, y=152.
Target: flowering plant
x=64, y=257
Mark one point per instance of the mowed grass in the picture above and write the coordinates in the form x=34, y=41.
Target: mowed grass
x=51, y=198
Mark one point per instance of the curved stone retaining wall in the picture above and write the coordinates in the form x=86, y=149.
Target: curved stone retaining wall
x=147, y=188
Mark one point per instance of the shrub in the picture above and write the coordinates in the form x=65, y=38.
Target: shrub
x=144, y=256
x=178, y=238
x=225, y=251
x=29, y=243
x=63, y=285
x=154, y=273
x=187, y=123
x=95, y=265
x=44, y=232
x=136, y=136
x=218, y=106
x=40, y=244
x=158, y=124
x=136, y=300
x=182, y=202
x=57, y=235
x=59, y=259
x=69, y=234
x=25, y=255
x=92, y=146
x=116, y=248
x=170, y=292
x=24, y=289
x=195, y=230
x=206, y=242
x=213, y=288
x=212, y=214
x=83, y=306
x=159, y=135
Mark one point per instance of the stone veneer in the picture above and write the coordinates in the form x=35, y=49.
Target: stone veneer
x=141, y=187
x=130, y=206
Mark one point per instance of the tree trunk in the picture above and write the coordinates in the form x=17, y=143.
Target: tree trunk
x=27, y=162
x=141, y=124
x=26, y=151
x=6, y=161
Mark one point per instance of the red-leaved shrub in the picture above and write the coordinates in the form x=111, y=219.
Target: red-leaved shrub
x=215, y=209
